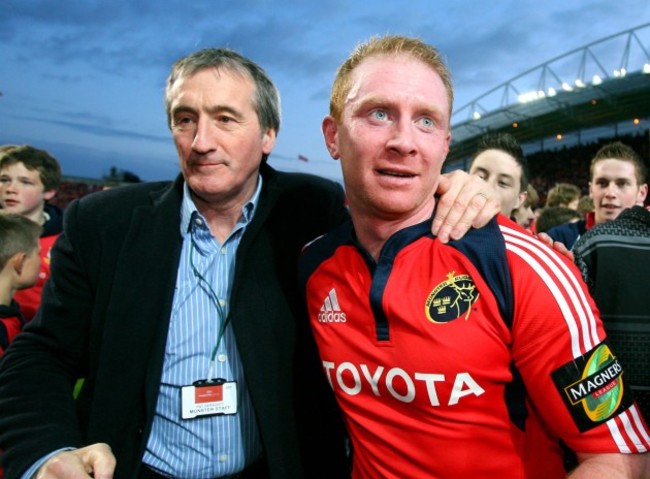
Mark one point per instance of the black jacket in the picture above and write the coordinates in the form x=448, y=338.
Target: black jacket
x=105, y=316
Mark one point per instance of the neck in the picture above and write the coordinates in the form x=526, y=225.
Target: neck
x=6, y=290
x=372, y=232
x=222, y=212
x=37, y=217
x=221, y=223
x=221, y=217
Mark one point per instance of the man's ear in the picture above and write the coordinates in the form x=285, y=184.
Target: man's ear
x=268, y=140
x=643, y=193
x=49, y=194
x=330, y=133
x=17, y=262
x=520, y=200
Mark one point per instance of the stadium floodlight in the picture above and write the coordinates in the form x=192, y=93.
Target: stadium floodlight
x=566, y=87
x=529, y=96
x=476, y=115
x=525, y=97
x=579, y=83
x=551, y=92
x=620, y=73
x=596, y=80
x=646, y=68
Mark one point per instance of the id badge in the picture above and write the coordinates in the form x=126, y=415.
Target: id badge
x=207, y=398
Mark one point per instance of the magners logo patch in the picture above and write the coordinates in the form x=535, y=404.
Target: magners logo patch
x=592, y=387
x=451, y=299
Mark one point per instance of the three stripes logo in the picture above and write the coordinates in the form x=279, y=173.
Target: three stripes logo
x=330, y=311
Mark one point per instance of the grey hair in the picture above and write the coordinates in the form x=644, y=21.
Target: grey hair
x=266, y=101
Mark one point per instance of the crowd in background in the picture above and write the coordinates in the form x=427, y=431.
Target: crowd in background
x=571, y=165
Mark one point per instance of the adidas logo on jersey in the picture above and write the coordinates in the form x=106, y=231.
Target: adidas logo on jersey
x=330, y=311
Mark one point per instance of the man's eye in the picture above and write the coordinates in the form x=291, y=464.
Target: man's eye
x=380, y=115
x=427, y=122
x=183, y=121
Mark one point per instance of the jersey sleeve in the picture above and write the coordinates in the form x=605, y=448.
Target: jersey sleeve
x=571, y=374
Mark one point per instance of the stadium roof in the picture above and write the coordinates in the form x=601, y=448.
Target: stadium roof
x=600, y=84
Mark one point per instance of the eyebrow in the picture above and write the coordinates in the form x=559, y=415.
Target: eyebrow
x=18, y=177
x=506, y=176
x=615, y=179
x=213, y=110
x=380, y=101
x=224, y=109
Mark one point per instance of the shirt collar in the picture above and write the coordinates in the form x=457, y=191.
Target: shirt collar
x=189, y=210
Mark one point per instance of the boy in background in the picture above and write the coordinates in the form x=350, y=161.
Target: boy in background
x=500, y=161
x=566, y=195
x=19, y=267
x=617, y=182
x=29, y=178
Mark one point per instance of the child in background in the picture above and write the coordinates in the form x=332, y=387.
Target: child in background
x=19, y=267
x=29, y=178
x=525, y=214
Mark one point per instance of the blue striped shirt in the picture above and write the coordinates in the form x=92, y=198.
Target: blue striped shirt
x=213, y=446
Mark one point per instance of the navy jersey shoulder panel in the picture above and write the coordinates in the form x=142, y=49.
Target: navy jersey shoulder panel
x=322, y=248
x=486, y=249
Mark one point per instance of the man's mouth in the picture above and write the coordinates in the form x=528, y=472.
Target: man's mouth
x=396, y=174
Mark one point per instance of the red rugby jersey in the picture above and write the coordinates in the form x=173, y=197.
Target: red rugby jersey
x=422, y=348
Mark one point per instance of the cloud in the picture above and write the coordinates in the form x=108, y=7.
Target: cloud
x=97, y=69
x=97, y=130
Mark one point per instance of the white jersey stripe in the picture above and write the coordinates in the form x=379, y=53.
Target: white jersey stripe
x=616, y=435
x=557, y=294
x=570, y=288
x=636, y=417
x=629, y=429
x=525, y=246
x=544, y=250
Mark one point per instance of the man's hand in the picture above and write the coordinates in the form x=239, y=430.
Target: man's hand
x=95, y=461
x=556, y=245
x=464, y=201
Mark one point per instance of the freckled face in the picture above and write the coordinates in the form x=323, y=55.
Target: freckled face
x=392, y=138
